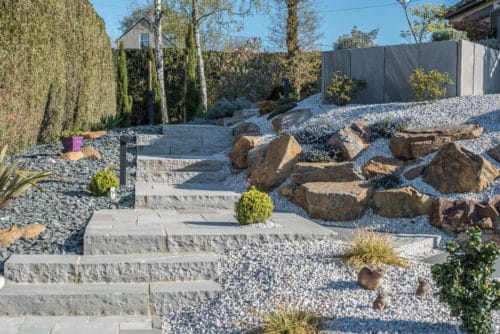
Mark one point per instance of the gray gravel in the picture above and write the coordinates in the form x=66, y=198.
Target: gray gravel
x=67, y=207
x=256, y=277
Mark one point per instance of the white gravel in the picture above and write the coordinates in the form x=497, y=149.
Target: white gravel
x=308, y=274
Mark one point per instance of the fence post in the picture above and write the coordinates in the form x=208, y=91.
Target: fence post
x=123, y=160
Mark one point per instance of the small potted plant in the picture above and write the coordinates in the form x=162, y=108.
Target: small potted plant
x=72, y=140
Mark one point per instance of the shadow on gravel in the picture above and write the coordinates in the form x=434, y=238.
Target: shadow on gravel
x=489, y=121
x=342, y=285
x=363, y=325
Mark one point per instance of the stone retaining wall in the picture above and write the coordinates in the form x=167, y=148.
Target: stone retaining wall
x=474, y=68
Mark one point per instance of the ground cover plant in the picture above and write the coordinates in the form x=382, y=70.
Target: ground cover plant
x=388, y=181
x=388, y=127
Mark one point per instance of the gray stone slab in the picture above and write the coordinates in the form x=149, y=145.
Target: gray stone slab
x=11, y=325
x=441, y=56
x=74, y=299
x=147, y=267
x=479, y=69
x=368, y=64
x=181, y=177
x=339, y=60
x=491, y=76
x=178, y=164
x=465, y=84
x=73, y=325
x=185, y=196
x=400, y=61
x=41, y=325
x=41, y=268
x=171, y=296
x=194, y=139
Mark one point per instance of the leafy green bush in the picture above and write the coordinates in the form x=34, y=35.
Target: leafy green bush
x=317, y=155
x=388, y=127
x=225, y=108
x=389, y=181
x=343, y=89
x=449, y=34
x=466, y=284
x=356, y=39
x=254, y=206
x=430, y=86
x=71, y=133
x=101, y=183
x=265, y=107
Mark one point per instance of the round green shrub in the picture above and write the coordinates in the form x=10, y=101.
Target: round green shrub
x=102, y=181
x=254, y=206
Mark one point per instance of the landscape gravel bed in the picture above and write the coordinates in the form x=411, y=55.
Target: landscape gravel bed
x=67, y=205
x=308, y=274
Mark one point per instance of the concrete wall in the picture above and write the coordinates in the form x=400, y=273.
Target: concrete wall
x=474, y=68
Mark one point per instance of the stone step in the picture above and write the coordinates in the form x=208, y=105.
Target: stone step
x=175, y=163
x=148, y=267
x=192, y=231
x=180, y=177
x=103, y=299
x=185, y=196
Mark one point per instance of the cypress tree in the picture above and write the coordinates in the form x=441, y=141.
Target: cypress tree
x=156, y=88
x=124, y=105
x=191, y=94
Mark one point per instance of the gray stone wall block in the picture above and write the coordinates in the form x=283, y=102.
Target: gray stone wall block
x=465, y=77
x=339, y=60
x=368, y=64
x=479, y=68
x=491, y=67
x=441, y=56
x=400, y=62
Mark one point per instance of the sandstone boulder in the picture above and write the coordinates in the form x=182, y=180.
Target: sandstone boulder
x=457, y=216
x=495, y=153
x=11, y=235
x=93, y=134
x=239, y=152
x=276, y=164
x=405, y=202
x=292, y=118
x=247, y=128
x=411, y=144
x=456, y=170
x=73, y=156
x=414, y=172
x=336, y=201
x=382, y=166
x=90, y=153
x=351, y=140
x=305, y=172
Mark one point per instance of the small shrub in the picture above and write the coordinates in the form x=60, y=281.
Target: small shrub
x=265, y=107
x=475, y=28
x=71, y=133
x=225, y=108
x=101, y=183
x=317, y=155
x=254, y=206
x=466, y=284
x=430, y=86
x=241, y=103
x=389, y=181
x=316, y=134
x=14, y=181
x=449, y=34
x=388, y=127
x=342, y=90
x=372, y=248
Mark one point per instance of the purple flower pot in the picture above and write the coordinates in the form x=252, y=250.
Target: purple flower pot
x=72, y=144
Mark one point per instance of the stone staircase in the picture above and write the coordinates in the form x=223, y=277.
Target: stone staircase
x=158, y=257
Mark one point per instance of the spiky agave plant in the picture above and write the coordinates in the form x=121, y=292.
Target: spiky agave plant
x=14, y=181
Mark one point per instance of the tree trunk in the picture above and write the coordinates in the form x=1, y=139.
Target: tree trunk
x=404, y=4
x=159, y=59
x=199, y=56
x=292, y=42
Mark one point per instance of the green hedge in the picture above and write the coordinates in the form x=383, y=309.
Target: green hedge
x=174, y=65
x=57, y=70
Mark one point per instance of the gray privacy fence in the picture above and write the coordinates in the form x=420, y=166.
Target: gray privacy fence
x=474, y=68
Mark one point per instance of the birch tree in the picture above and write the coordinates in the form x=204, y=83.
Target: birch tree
x=159, y=58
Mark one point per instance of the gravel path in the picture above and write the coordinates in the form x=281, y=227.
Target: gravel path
x=67, y=207
x=256, y=277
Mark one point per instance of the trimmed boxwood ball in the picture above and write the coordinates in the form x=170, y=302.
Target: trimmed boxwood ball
x=254, y=206
x=102, y=181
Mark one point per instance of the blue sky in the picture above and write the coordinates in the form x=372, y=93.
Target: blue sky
x=338, y=18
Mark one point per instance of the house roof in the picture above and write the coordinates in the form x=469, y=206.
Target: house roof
x=133, y=26
x=463, y=6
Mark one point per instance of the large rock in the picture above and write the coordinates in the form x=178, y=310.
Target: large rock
x=495, y=153
x=91, y=153
x=382, y=166
x=404, y=202
x=457, y=216
x=247, y=128
x=239, y=152
x=337, y=201
x=292, y=118
x=351, y=140
x=276, y=164
x=411, y=144
x=305, y=172
x=456, y=170
x=414, y=172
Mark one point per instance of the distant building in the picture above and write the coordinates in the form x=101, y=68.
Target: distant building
x=484, y=10
x=140, y=35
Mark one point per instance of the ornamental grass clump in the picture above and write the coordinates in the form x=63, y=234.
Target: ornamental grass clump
x=372, y=248
x=254, y=206
x=102, y=182
x=14, y=181
x=466, y=284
